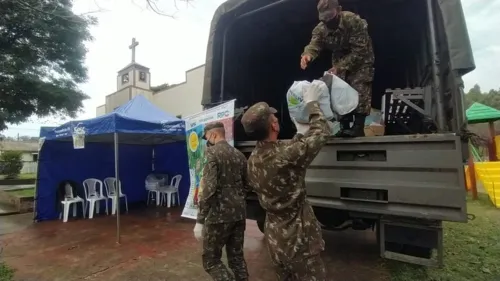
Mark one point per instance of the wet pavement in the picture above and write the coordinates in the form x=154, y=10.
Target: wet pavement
x=159, y=245
x=16, y=187
x=6, y=209
x=14, y=223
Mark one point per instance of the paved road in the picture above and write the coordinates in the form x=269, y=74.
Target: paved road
x=13, y=187
x=14, y=223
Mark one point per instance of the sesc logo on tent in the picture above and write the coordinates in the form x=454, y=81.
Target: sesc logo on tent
x=165, y=125
x=79, y=129
x=222, y=114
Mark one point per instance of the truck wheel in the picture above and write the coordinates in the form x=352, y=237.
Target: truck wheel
x=261, y=223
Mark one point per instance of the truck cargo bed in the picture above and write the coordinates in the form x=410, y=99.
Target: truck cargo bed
x=420, y=176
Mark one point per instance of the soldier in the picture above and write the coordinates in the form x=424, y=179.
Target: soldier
x=346, y=35
x=276, y=172
x=222, y=208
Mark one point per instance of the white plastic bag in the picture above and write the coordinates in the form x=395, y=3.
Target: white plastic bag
x=295, y=100
x=334, y=127
x=344, y=98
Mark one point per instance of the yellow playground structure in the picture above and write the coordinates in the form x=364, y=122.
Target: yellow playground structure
x=488, y=174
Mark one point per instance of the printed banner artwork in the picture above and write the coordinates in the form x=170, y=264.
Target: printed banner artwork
x=78, y=137
x=195, y=124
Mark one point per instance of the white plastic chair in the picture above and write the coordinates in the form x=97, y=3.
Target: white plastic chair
x=170, y=191
x=94, y=193
x=153, y=184
x=110, y=184
x=70, y=198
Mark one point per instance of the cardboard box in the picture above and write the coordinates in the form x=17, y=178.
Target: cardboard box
x=374, y=130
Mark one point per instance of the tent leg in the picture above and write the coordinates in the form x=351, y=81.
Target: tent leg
x=118, y=190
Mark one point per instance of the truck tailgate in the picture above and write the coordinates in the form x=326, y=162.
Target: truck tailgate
x=419, y=176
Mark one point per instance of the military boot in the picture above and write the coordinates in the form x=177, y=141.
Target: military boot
x=358, y=129
x=345, y=125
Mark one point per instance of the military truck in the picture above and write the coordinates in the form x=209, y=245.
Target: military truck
x=402, y=185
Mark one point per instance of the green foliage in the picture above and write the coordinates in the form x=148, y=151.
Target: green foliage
x=491, y=98
x=471, y=250
x=11, y=163
x=42, y=53
x=6, y=273
x=161, y=87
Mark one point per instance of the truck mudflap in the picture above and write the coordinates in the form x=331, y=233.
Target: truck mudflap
x=415, y=176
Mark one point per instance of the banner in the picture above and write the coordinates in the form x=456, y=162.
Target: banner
x=195, y=124
x=79, y=137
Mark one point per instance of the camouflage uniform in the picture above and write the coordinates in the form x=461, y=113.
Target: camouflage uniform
x=222, y=211
x=352, y=51
x=276, y=172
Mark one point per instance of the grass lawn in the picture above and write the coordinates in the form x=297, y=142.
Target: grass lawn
x=26, y=192
x=27, y=176
x=472, y=250
x=23, y=176
x=6, y=274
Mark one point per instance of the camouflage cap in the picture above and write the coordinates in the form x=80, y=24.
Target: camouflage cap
x=211, y=126
x=326, y=9
x=257, y=117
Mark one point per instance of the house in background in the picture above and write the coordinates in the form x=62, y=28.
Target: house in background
x=29, y=152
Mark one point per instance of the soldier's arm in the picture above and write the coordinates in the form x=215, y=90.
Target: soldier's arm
x=244, y=174
x=209, y=186
x=316, y=44
x=358, y=42
x=303, y=149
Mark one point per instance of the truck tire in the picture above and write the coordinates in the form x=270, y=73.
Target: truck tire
x=260, y=223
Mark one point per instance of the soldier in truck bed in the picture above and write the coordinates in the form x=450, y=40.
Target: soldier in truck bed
x=345, y=34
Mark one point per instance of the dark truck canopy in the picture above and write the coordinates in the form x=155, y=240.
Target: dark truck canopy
x=448, y=13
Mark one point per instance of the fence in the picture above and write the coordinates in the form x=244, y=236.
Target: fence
x=29, y=167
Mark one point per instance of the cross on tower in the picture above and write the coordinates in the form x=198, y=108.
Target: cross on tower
x=132, y=47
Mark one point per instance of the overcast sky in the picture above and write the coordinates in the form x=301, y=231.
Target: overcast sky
x=169, y=47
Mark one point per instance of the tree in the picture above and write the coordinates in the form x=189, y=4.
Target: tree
x=491, y=98
x=11, y=163
x=42, y=53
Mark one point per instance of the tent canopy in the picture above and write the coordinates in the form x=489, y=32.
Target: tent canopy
x=480, y=113
x=137, y=122
x=149, y=140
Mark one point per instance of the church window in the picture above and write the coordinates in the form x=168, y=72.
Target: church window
x=125, y=78
x=142, y=76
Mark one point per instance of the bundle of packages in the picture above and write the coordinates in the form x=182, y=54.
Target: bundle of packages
x=344, y=98
x=337, y=98
x=296, y=105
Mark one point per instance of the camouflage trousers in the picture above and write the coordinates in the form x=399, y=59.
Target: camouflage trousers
x=362, y=81
x=310, y=268
x=215, y=237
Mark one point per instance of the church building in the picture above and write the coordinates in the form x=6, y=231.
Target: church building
x=181, y=99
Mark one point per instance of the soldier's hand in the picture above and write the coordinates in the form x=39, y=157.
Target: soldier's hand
x=333, y=70
x=304, y=61
x=198, y=231
x=313, y=93
x=301, y=128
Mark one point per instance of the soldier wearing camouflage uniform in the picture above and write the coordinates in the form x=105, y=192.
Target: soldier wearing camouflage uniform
x=346, y=35
x=222, y=208
x=276, y=172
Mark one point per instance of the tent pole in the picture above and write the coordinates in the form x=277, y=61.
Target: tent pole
x=118, y=189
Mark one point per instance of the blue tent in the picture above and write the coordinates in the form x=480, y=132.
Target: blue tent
x=129, y=143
